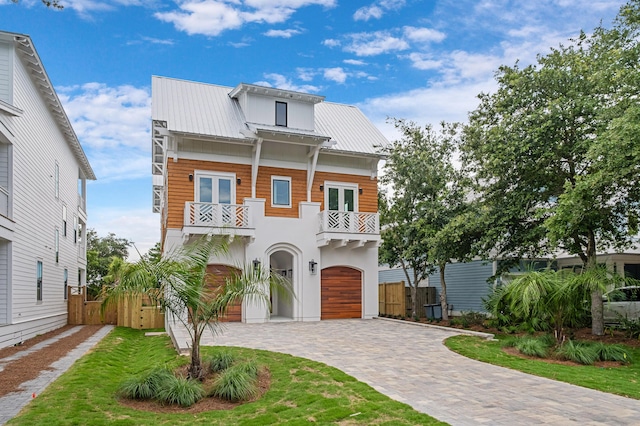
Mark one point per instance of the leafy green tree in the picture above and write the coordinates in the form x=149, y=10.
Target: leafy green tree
x=426, y=195
x=180, y=284
x=48, y=3
x=539, y=150
x=101, y=252
x=154, y=254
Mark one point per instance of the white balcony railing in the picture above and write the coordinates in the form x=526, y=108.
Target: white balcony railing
x=4, y=202
x=216, y=215
x=349, y=222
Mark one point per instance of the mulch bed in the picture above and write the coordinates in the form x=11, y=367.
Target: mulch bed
x=29, y=367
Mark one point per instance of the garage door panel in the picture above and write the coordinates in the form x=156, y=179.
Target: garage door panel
x=341, y=293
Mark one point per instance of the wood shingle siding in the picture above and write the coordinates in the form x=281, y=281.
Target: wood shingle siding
x=181, y=190
x=341, y=293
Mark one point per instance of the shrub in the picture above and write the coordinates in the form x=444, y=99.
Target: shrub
x=532, y=346
x=221, y=361
x=631, y=327
x=579, y=352
x=145, y=386
x=181, y=391
x=612, y=353
x=249, y=367
x=235, y=384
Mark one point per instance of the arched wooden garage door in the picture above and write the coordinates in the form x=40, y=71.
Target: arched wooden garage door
x=341, y=293
x=217, y=278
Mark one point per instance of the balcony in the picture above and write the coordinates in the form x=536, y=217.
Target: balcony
x=216, y=219
x=350, y=229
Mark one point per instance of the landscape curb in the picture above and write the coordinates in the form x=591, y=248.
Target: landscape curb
x=487, y=336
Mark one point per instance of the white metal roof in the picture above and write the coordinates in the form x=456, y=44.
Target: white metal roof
x=208, y=110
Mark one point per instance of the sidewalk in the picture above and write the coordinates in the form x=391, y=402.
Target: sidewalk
x=12, y=403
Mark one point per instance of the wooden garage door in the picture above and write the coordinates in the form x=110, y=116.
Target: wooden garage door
x=341, y=293
x=217, y=278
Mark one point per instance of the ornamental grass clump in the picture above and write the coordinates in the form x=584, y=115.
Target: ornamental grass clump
x=532, y=346
x=221, y=361
x=181, y=391
x=235, y=384
x=612, y=353
x=145, y=386
x=579, y=352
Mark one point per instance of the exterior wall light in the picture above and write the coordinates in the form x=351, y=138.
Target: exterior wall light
x=256, y=264
x=190, y=177
x=321, y=187
x=313, y=267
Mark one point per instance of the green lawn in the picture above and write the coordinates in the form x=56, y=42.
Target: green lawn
x=302, y=391
x=623, y=380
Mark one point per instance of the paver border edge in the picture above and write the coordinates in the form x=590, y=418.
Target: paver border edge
x=487, y=336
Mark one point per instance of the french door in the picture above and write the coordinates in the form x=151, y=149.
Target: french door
x=214, y=194
x=341, y=200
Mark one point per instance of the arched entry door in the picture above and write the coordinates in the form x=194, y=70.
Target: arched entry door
x=217, y=278
x=341, y=293
x=281, y=263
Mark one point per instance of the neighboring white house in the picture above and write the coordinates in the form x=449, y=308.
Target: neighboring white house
x=43, y=217
x=291, y=181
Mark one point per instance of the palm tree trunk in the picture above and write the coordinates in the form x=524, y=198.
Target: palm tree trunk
x=195, y=369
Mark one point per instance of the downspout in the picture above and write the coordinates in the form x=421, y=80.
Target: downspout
x=311, y=169
x=254, y=166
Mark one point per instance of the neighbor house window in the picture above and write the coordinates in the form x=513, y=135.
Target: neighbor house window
x=57, y=244
x=281, y=114
x=64, y=220
x=66, y=282
x=39, y=281
x=75, y=229
x=280, y=191
x=57, y=180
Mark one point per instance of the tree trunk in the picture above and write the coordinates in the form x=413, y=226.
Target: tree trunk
x=597, y=318
x=443, y=293
x=195, y=369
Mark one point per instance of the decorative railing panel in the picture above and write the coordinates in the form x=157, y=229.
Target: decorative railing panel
x=349, y=222
x=216, y=215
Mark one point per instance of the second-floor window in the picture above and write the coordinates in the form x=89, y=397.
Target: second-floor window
x=57, y=180
x=281, y=114
x=64, y=220
x=39, y=281
x=57, y=244
x=280, y=191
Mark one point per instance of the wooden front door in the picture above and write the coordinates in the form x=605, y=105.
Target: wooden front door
x=341, y=293
x=217, y=278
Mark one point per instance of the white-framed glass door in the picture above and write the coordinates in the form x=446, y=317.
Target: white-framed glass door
x=341, y=200
x=214, y=194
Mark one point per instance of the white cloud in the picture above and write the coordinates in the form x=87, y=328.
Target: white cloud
x=306, y=74
x=331, y=42
x=367, y=12
x=212, y=17
x=423, y=35
x=377, y=9
x=282, y=82
x=424, y=61
x=375, y=43
x=282, y=33
x=113, y=125
x=137, y=225
x=354, y=62
x=335, y=74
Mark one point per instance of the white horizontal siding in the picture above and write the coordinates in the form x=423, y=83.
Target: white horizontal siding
x=36, y=210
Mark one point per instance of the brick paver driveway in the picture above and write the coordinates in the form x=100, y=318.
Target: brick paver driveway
x=410, y=364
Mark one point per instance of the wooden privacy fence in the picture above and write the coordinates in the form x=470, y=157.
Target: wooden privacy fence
x=395, y=299
x=134, y=311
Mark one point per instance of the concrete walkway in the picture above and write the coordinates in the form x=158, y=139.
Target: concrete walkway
x=11, y=404
x=410, y=364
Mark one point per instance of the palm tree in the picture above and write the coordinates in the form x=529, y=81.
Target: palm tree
x=180, y=285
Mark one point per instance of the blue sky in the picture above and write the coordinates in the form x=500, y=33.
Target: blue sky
x=420, y=60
